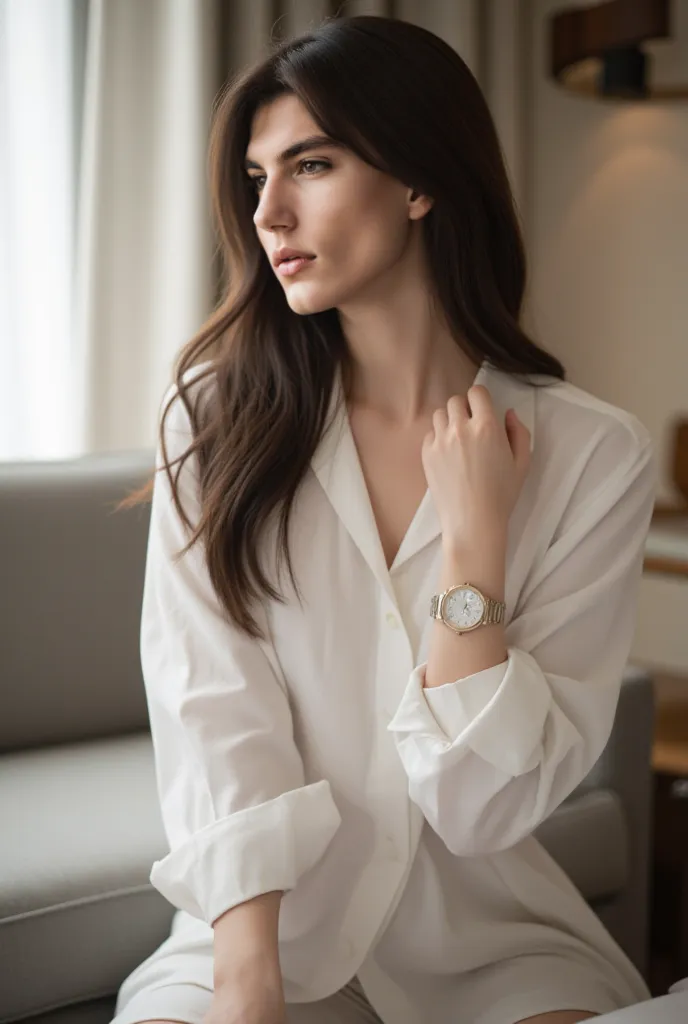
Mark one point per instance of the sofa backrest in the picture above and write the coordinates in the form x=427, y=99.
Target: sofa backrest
x=71, y=585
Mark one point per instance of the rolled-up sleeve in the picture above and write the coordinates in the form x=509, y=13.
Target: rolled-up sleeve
x=239, y=817
x=491, y=755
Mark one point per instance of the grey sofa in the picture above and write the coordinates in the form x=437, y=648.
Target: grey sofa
x=80, y=821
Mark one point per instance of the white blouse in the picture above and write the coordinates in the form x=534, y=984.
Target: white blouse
x=398, y=820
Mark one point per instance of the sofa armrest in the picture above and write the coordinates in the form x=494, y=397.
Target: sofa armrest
x=625, y=764
x=625, y=769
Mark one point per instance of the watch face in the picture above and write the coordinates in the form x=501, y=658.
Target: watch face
x=463, y=608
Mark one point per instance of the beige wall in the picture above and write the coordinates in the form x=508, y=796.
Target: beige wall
x=605, y=207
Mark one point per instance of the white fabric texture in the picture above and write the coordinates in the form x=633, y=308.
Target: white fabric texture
x=399, y=820
x=176, y=983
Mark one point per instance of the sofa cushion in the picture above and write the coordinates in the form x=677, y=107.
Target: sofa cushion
x=81, y=830
x=576, y=833
x=95, y=1011
x=84, y=829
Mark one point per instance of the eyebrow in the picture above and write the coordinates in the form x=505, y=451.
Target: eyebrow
x=312, y=142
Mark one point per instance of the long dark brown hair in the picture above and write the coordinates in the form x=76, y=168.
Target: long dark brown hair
x=404, y=101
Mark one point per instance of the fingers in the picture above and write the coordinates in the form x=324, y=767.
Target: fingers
x=439, y=420
x=479, y=400
x=458, y=410
x=476, y=402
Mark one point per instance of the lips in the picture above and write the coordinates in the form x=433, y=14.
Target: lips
x=293, y=264
x=286, y=253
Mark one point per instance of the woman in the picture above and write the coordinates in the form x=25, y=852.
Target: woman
x=349, y=784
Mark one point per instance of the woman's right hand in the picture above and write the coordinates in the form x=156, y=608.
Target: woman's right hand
x=257, y=1004
x=247, y=979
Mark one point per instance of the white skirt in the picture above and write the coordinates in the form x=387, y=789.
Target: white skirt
x=176, y=983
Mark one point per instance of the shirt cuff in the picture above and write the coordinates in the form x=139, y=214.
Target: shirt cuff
x=499, y=713
x=259, y=849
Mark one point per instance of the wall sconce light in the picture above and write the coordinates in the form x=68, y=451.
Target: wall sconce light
x=596, y=51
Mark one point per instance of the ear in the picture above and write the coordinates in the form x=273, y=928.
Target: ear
x=418, y=204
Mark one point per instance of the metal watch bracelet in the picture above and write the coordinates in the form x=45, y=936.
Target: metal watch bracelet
x=494, y=610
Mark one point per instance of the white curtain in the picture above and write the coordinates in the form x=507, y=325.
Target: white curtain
x=143, y=275
x=106, y=249
x=37, y=227
x=106, y=252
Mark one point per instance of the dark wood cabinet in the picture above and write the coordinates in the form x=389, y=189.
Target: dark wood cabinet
x=669, y=906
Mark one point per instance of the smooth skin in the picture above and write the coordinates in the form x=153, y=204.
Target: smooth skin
x=411, y=380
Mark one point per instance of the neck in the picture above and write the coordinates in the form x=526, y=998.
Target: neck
x=406, y=362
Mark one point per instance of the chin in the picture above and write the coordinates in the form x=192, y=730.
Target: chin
x=304, y=303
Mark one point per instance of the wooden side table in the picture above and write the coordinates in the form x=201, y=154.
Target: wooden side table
x=669, y=909
x=666, y=554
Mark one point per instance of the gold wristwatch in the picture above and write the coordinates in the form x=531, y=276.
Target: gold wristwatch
x=464, y=607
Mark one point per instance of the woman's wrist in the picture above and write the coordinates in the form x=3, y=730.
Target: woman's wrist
x=451, y=656
x=254, y=999
x=246, y=947
x=487, y=538
x=481, y=561
x=257, y=965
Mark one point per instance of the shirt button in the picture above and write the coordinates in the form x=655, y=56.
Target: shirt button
x=392, y=620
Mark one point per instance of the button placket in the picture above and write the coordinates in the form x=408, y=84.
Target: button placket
x=395, y=664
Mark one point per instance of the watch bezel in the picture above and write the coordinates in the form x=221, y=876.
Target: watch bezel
x=451, y=590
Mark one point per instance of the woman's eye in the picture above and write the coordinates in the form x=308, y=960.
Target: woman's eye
x=307, y=166
x=313, y=164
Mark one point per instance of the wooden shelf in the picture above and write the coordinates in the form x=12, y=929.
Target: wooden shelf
x=670, y=758
x=666, y=547
x=670, y=747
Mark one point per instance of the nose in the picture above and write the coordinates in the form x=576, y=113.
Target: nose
x=273, y=212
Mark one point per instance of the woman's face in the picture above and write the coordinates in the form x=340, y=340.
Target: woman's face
x=352, y=221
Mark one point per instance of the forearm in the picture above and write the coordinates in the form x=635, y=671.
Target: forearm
x=453, y=656
x=245, y=943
